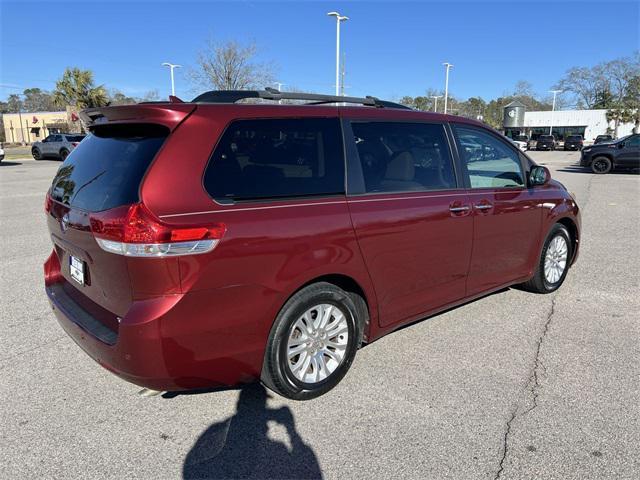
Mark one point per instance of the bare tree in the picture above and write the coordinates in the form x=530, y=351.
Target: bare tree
x=523, y=88
x=604, y=84
x=231, y=66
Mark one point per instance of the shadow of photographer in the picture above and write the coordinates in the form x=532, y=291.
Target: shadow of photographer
x=240, y=448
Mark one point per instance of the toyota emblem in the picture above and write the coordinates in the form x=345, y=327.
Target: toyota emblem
x=64, y=222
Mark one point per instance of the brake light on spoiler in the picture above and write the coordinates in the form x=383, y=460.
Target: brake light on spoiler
x=134, y=231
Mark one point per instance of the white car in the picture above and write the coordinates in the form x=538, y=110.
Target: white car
x=520, y=144
x=1, y=153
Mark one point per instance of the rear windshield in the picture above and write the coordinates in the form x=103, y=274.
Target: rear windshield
x=104, y=171
x=521, y=138
x=546, y=137
x=74, y=138
x=574, y=138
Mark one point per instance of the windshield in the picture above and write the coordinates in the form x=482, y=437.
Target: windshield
x=105, y=170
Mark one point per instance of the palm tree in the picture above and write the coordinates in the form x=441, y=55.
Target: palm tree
x=76, y=88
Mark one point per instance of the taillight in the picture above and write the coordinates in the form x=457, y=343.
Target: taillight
x=134, y=231
x=74, y=144
x=48, y=203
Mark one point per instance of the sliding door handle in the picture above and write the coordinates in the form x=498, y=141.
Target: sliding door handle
x=464, y=208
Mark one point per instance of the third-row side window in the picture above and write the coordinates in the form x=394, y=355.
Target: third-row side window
x=398, y=156
x=277, y=158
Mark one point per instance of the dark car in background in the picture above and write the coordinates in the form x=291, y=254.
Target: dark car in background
x=574, y=142
x=546, y=142
x=603, y=138
x=604, y=157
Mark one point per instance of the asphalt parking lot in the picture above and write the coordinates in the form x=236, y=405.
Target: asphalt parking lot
x=514, y=385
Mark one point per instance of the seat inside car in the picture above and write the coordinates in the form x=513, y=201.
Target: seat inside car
x=400, y=174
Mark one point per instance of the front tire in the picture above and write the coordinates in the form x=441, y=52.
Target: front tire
x=553, y=263
x=37, y=155
x=601, y=165
x=313, y=342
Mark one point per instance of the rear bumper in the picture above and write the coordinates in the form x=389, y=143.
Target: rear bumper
x=173, y=342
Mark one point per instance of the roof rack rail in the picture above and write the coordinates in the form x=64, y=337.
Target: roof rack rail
x=232, y=96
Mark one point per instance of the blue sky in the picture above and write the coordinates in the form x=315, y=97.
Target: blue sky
x=392, y=48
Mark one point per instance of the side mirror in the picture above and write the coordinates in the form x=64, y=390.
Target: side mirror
x=539, y=176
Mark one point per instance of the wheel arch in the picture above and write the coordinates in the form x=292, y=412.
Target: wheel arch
x=573, y=232
x=349, y=285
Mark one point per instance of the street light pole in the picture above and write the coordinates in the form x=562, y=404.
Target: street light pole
x=279, y=85
x=435, y=102
x=553, y=109
x=339, y=18
x=172, y=66
x=446, y=85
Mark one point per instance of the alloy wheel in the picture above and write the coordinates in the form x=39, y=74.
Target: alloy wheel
x=555, y=260
x=317, y=343
x=600, y=166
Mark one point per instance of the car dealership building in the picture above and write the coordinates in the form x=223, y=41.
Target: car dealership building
x=587, y=123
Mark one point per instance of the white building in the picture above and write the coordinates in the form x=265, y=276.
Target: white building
x=587, y=123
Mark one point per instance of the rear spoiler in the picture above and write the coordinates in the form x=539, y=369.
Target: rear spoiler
x=168, y=114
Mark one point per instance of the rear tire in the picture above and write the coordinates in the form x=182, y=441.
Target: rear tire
x=553, y=263
x=37, y=155
x=313, y=342
x=601, y=165
x=64, y=153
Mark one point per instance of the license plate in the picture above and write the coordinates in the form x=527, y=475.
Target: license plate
x=76, y=269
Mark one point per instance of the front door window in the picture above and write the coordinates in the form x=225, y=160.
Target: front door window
x=490, y=163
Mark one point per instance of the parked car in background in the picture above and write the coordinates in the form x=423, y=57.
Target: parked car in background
x=211, y=243
x=531, y=144
x=522, y=145
x=603, y=138
x=57, y=145
x=1, y=153
x=546, y=142
x=604, y=157
x=573, y=142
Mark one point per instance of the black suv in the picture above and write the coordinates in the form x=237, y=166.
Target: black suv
x=623, y=153
x=546, y=142
x=573, y=142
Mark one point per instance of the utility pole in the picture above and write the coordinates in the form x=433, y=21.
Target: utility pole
x=172, y=66
x=446, y=85
x=553, y=109
x=22, y=132
x=344, y=61
x=339, y=19
x=279, y=86
x=435, y=102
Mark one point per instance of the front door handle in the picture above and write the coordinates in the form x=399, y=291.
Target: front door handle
x=483, y=206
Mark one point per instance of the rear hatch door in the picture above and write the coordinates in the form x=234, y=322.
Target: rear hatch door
x=103, y=172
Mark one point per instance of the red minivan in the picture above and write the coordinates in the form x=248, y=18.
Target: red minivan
x=213, y=243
